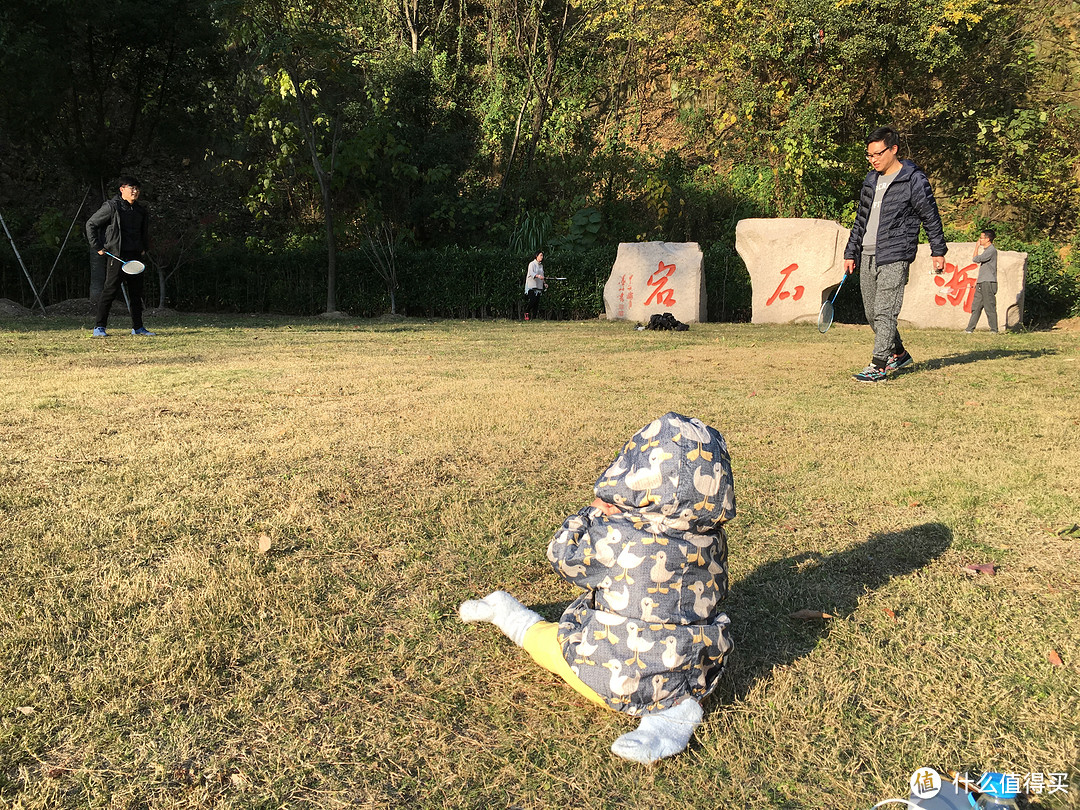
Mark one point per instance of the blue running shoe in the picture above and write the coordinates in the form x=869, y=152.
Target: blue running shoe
x=899, y=361
x=870, y=374
x=142, y=331
x=99, y=332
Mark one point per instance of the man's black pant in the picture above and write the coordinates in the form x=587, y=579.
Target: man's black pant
x=114, y=277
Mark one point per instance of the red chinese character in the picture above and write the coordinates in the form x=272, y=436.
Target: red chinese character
x=961, y=286
x=659, y=280
x=785, y=273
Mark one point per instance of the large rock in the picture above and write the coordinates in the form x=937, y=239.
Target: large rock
x=656, y=277
x=794, y=264
x=944, y=300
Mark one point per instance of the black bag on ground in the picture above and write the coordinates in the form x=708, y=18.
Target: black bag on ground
x=666, y=322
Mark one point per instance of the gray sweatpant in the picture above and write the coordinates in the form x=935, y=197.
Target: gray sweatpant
x=882, y=296
x=984, y=299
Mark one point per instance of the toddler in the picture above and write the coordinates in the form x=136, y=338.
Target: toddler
x=650, y=552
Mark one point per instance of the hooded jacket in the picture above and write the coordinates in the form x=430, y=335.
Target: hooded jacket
x=908, y=202
x=646, y=633
x=108, y=217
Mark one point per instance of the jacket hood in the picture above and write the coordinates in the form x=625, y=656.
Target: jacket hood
x=675, y=469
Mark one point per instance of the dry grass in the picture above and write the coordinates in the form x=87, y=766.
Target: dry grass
x=152, y=657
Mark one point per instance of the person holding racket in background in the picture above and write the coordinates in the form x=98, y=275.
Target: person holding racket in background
x=534, y=286
x=895, y=200
x=120, y=230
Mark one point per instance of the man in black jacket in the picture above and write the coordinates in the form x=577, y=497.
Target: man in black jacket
x=121, y=227
x=895, y=200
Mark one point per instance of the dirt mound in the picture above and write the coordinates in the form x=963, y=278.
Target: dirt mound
x=82, y=306
x=1066, y=325
x=9, y=307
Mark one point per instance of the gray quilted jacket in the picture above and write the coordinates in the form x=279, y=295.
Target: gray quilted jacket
x=647, y=633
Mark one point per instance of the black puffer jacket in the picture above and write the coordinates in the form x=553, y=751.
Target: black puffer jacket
x=908, y=202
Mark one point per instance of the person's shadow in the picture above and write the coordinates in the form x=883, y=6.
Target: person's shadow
x=760, y=605
x=975, y=356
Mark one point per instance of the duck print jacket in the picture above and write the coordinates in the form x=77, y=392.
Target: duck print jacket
x=646, y=633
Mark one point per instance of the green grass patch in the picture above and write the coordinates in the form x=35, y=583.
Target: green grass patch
x=152, y=656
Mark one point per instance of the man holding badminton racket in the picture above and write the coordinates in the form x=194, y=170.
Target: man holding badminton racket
x=120, y=230
x=895, y=200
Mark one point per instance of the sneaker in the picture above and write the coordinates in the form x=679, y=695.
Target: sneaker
x=142, y=331
x=969, y=331
x=99, y=331
x=899, y=361
x=870, y=374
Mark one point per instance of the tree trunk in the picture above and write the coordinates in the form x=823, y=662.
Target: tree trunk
x=308, y=130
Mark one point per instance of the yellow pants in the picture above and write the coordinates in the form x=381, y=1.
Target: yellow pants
x=542, y=643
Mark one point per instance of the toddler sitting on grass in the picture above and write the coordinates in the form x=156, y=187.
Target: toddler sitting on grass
x=645, y=638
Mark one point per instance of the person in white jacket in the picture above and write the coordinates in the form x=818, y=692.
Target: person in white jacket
x=534, y=286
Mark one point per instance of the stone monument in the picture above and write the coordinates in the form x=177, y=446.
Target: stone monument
x=650, y=278
x=795, y=264
x=943, y=300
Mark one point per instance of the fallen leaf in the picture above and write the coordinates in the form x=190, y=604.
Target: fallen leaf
x=264, y=543
x=906, y=424
x=890, y=614
x=972, y=402
x=982, y=568
x=810, y=614
x=1071, y=531
x=27, y=710
x=752, y=394
x=915, y=503
x=1054, y=658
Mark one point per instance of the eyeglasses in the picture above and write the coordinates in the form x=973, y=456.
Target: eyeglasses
x=871, y=156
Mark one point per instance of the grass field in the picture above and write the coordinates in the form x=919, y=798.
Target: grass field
x=233, y=554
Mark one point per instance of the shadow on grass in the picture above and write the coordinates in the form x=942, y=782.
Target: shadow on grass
x=985, y=354
x=760, y=605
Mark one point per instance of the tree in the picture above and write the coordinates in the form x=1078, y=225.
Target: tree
x=99, y=97
x=301, y=52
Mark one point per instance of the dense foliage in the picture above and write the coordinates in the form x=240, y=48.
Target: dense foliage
x=379, y=156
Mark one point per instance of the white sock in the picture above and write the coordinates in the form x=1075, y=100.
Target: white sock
x=660, y=735
x=502, y=610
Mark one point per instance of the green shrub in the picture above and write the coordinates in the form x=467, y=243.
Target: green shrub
x=1052, y=289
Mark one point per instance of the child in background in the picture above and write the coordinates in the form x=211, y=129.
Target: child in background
x=985, y=284
x=645, y=638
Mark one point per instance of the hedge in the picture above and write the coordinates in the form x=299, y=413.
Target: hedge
x=458, y=282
